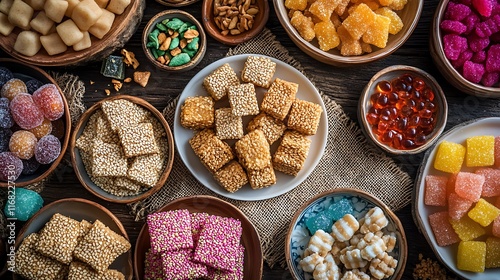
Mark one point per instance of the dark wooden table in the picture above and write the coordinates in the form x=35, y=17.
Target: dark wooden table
x=342, y=84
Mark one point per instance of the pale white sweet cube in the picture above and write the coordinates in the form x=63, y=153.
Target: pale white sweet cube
x=118, y=6
x=85, y=14
x=71, y=6
x=5, y=6
x=37, y=5
x=27, y=43
x=53, y=44
x=5, y=26
x=42, y=23
x=55, y=9
x=69, y=32
x=103, y=24
x=85, y=43
x=20, y=14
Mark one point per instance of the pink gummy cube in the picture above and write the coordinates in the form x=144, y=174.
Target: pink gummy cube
x=456, y=11
x=462, y=58
x=493, y=58
x=457, y=206
x=453, y=26
x=497, y=151
x=469, y=185
x=488, y=27
x=479, y=57
x=443, y=231
x=477, y=43
x=483, y=7
x=179, y=265
x=490, y=79
x=470, y=22
x=453, y=45
x=170, y=231
x=491, y=186
x=495, y=230
x=435, y=190
x=473, y=71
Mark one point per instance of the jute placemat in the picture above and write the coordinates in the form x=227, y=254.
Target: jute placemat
x=349, y=161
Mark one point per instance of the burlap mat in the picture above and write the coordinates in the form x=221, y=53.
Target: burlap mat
x=349, y=161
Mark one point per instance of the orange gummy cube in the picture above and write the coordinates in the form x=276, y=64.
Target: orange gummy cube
x=435, y=190
x=483, y=212
x=469, y=185
x=471, y=256
x=296, y=4
x=449, y=157
x=441, y=227
x=495, y=230
x=491, y=186
x=457, y=206
x=396, y=22
x=323, y=9
x=359, y=21
x=480, y=151
x=397, y=4
x=340, y=9
x=497, y=151
x=304, y=25
x=348, y=46
x=378, y=33
x=327, y=35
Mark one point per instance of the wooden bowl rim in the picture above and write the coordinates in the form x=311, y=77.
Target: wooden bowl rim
x=201, y=48
x=232, y=40
x=67, y=127
x=387, y=211
x=144, y=229
x=179, y=4
x=166, y=171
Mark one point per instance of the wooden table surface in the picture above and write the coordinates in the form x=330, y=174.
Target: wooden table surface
x=342, y=84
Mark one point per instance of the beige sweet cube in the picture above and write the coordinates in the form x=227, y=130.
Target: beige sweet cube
x=103, y=24
x=138, y=140
x=42, y=23
x=200, y=138
x=273, y=129
x=5, y=6
x=231, y=177
x=37, y=5
x=69, y=32
x=217, y=82
x=243, y=99
x=279, y=98
x=143, y=170
x=108, y=160
x=304, y=117
x=71, y=6
x=55, y=9
x=85, y=14
x=198, y=112
x=291, y=153
x=27, y=43
x=253, y=150
x=102, y=3
x=58, y=238
x=84, y=43
x=5, y=26
x=53, y=44
x=20, y=14
x=214, y=154
x=261, y=178
x=227, y=125
x=118, y=6
x=259, y=71
x=79, y=271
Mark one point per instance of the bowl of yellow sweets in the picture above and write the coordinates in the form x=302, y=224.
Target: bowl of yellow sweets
x=347, y=32
x=457, y=199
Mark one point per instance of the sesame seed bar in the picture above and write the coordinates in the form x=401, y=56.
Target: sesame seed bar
x=144, y=171
x=138, y=140
x=85, y=227
x=237, y=274
x=104, y=131
x=243, y=100
x=121, y=112
x=100, y=247
x=86, y=139
x=227, y=125
x=253, y=150
x=261, y=178
x=108, y=160
x=291, y=153
x=179, y=265
x=79, y=271
x=217, y=82
x=200, y=138
x=231, y=177
x=153, y=266
x=214, y=153
x=170, y=230
x=158, y=129
x=304, y=117
x=279, y=98
x=58, y=238
x=273, y=129
x=197, y=112
x=259, y=71
x=127, y=184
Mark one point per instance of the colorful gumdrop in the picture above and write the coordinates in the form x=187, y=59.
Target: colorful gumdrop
x=47, y=149
x=24, y=111
x=6, y=120
x=32, y=85
x=5, y=75
x=319, y=221
x=50, y=102
x=22, y=144
x=43, y=129
x=12, y=88
x=10, y=167
x=339, y=209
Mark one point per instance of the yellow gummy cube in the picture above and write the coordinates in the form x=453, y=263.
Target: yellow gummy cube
x=348, y=45
x=323, y=9
x=372, y=4
x=396, y=22
x=484, y=212
x=492, y=252
x=471, y=256
x=385, y=2
x=467, y=229
x=397, y=4
x=480, y=151
x=304, y=25
x=359, y=21
x=296, y=4
x=341, y=7
x=327, y=35
x=449, y=157
x=378, y=33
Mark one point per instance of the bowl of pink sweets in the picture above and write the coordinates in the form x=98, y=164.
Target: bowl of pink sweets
x=35, y=124
x=457, y=199
x=465, y=45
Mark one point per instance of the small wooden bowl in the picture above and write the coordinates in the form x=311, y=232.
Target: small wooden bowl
x=388, y=74
x=184, y=16
x=124, y=26
x=298, y=235
x=77, y=162
x=176, y=3
x=79, y=209
x=444, y=65
x=208, y=19
x=25, y=71
x=253, y=260
x=410, y=15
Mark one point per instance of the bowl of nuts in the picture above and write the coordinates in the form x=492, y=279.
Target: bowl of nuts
x=173, y=40
x=232, y=22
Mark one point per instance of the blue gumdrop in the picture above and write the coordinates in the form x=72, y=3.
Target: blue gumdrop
x=339, y=209
x=319, y=221
x=22, y=204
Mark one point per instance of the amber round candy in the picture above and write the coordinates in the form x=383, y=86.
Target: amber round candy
x=42, y=130
x=13, y=87
x=22, y=144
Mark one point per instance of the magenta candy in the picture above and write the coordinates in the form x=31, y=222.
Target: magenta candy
x=483, y=7
x=10, y=167
x=489, y=79
x=462, y=58
x=477, y=43
x=47, y=149
x=493, y=59
x=453, y=26
x=473, y=72
x=456, y=11
x=488, y=27
x=454, y=45
x=170, y=230
x=470, y=22
x=24, y=111
x=479, y=57
x=50, y=102
x=467, y=3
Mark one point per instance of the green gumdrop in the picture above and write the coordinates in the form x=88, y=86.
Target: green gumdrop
x=179, y=60
x=23, y=204
x=165, y=21
x=191, y=53
x=193, y=45
x=162, y=27
x=183, y=29
x=174, y=24
x=174, y=44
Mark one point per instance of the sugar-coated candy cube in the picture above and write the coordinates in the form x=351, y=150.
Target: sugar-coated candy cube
x=327, y=35
x=304, y=25
x=473, y=71
x=435, y=190
x=378, y=33
x=323, y=9
x=497, y=202
x=484, y=7
x=497, y=151
x=319, y=221
x=449, y=157
x=492, y=252
x=462, y=58
x=453, y=45
x=349, y=46
x=456, y=11
x=479, y=57
x=442, y=229
x=453, y=26
x=396, y=23
x=490, y=78
x=27, y=203
x=493, y=58
x=470, y=22
x=480, y=151
x=458, y=206
x=398, y=5
x=477, y=43
x=471, y=256
x=495, y=230
x=467, y=229
x=488, y=27
x=469, y=185
x=296, y=4
x=359, y=21
x=491, y=186
x=339, y=209
x=483, y=212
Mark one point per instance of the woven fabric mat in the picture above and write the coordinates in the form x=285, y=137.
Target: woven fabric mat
x=349, y=161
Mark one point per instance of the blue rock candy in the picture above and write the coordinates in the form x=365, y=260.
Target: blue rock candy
x=319, y=221
x=26, y=204
x=338, y=209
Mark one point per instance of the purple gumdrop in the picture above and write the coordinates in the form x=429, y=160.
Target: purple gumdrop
x=493, y=58
x=453, y=26
x=5, y=135
x=456, y=11
x=490, y=79
x=33, y=84
x=473, y=72
x=479, y=57
x=470, y=22
x=30, y=166
x=462, y=58
x=6, y=120
x=47, y=149
x=453, y=45
x=483, y=7
x=10, y=166
x=477, y=43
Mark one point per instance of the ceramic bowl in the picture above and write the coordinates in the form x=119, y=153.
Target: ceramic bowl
x=26, y=72
x=186, y=17
x=80, y=209
x=444, y=65
x=253, y=260
x=388, y=74
x=209, y=22
x=410, y=16
x=298, y=235
x=84, y=177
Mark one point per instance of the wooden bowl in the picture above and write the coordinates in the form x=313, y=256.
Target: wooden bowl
x=79, y=209
x=388, y=74
x=410, y=15
x=82, y=174
x=25, y=71
x=444, y=65
x=208, y=19
x=298, y=235
x=124, y=26
x=176, y=3
x=184, y=16
x=214, y=206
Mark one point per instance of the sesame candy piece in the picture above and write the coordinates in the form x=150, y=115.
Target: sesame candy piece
x=261, y=178
x=85, y=227
x=158, y=129
x=213, y=153
x=243, y=100
x=218, y=81
x=231, y=177
x=272, y=128
x=122, y=112
x=86, y=140
x=278, y=100
x=170, y=231
x=237, y=274
x=304, y=117
x=79, y=271
x=200, y=138
x=103, y=130
x=107, y=184
x=291, y=153
x=144, y=171
x=227, y=125
x=108, y=160
x=138, y=140
x=178, y=265
x=127, y=184
x=198, y=112
x=258, y=70
x=58, y=238
x=253, y=150
x=153, y=267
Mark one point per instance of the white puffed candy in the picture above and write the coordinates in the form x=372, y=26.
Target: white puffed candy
x=374, y=220
x=321, y=242
x=371, y=246
x=355, y=274
x=328, y=270
x=309, y=263
x=351, y=258
x=356, y=238
x=344, y=228
x=383, y=266
x=390, y=241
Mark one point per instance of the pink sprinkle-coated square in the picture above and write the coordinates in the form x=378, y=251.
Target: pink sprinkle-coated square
x=457, y=206
x=197, y=223
x=218, y=274
x=484, y=7
x=473, y=71
x=497, y=151
x=493, y=58
x=491, y=78
x=469, y=185
x=477, y=43
x=153, y=269
x=442, y=229
x=470, y=22
x=453, y=26
x=462, y=58
x=479, y=57
x=491, y=186
x=456, y=11
x=178, y=265
x=453, y=45
x=495, y=230
x=170, y=230
x=435, y=190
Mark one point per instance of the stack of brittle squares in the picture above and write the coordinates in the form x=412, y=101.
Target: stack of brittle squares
x=280, y=115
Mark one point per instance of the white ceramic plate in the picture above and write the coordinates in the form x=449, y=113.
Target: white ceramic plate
x=285, y=183
x=458, y=134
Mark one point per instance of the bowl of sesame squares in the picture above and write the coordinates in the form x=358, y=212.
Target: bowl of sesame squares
x=347, y=32
x=122, y=149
